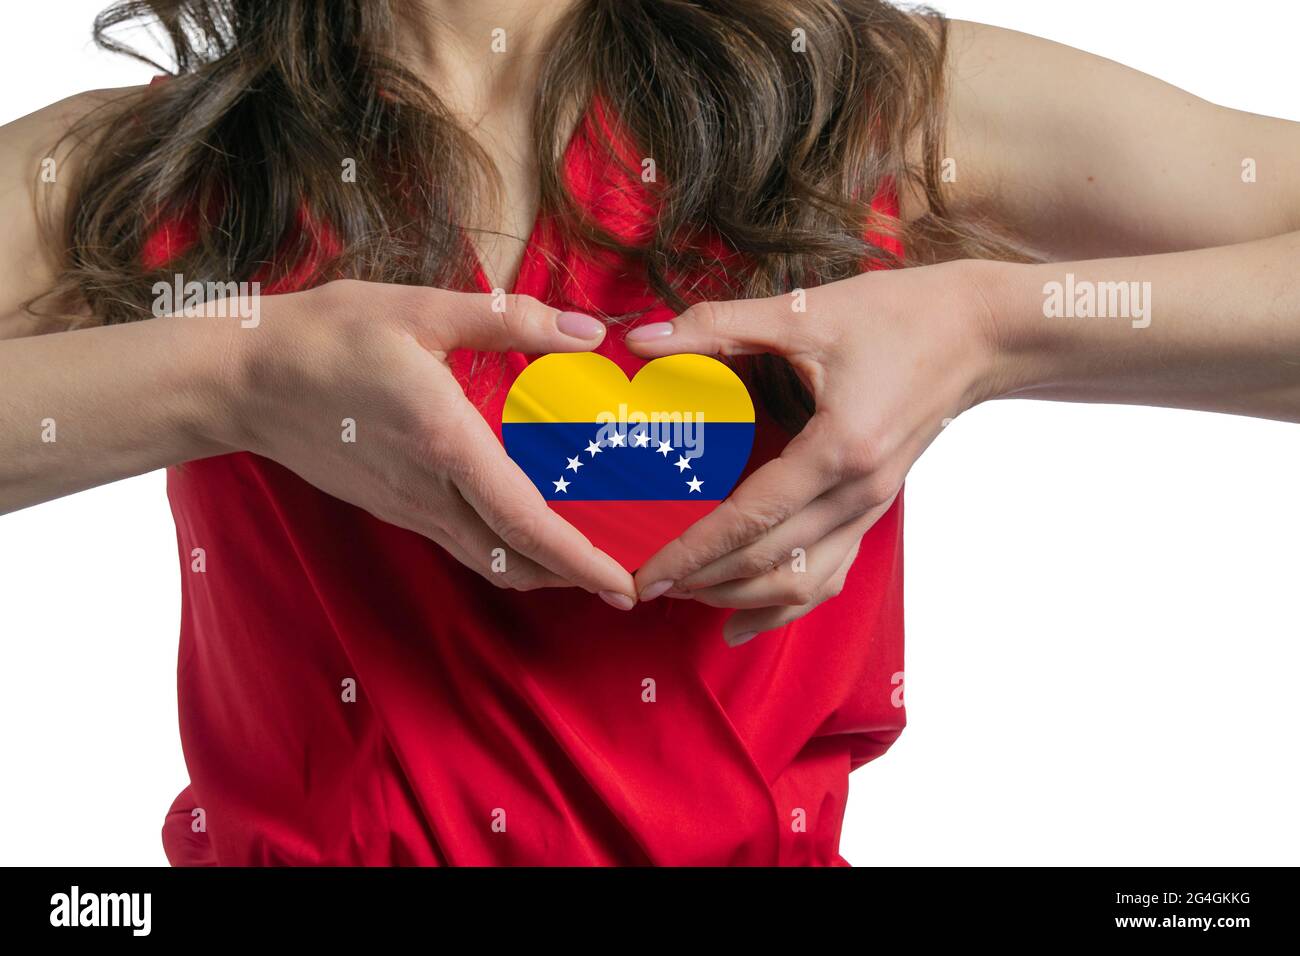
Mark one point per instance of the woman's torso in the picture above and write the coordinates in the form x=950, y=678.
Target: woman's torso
x=350, y=694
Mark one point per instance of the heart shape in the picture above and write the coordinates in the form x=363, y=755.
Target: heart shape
x=624, y=461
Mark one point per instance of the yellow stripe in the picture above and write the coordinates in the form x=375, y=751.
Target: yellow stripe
x=583, y=386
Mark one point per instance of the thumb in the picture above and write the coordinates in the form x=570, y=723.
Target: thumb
x=514, y=323
x=735, y=327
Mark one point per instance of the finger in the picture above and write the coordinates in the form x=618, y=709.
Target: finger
x=744, y=626
x=777, y=490
x=504, y=323
x=513, y=508
x=792, y=584
x=847, y=504
x=736, y=327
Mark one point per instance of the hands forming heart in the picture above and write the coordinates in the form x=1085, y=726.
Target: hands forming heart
x=889, y=358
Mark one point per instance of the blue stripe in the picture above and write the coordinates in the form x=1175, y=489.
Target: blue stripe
x=716, y=453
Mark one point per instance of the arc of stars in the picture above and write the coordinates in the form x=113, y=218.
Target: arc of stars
x=640, y=440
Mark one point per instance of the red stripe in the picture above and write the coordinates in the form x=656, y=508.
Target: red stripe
x=631, y=531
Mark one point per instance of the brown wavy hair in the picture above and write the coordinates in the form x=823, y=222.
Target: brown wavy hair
x=777, y=152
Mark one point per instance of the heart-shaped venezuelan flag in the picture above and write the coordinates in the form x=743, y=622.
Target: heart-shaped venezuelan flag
x=630, y=464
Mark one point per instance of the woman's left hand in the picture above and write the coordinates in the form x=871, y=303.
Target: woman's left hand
x=889, y=357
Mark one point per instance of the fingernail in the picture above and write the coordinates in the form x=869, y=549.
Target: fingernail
x=579, y=326
x=617, y=599
x=656, y=589
x=650, y=332
x=735, y=640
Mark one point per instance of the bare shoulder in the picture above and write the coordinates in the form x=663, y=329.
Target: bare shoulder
x=39, y=154
x=32, y=146
x=985, y=70
x=1080, y=156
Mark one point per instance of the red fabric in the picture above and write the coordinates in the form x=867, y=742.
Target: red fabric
x=477, y=706
x=631, y=531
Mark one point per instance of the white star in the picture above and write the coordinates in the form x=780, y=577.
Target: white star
x=593, y=449
x=561, y=485
x=683, y=463
x=641, y=439
x=574, y=464
x=694, y=484
x=616, y=440
x=664, y=448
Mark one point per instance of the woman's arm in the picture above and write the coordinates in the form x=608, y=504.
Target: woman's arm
x=88, y=407
x=1219, y=329
x=1080, y=157
x=84, y=408
x=1076, y=157
x=81, y=408
x=892, y=357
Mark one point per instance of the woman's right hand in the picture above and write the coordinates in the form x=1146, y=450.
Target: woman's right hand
x=423, y=457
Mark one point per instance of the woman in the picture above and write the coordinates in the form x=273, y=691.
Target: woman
x=391, y=650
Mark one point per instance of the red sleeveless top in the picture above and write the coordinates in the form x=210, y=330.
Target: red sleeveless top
x=499, y=727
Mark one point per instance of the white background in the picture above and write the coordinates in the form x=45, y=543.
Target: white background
x=1102, y=602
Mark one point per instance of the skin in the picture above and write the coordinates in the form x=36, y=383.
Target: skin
x=492, y=96
x=1063, y=148
x=1060, y=146
x=129, y=399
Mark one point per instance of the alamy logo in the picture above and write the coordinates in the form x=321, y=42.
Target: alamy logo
x=1085, y=299
x=102, y=909
x=221, y=300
